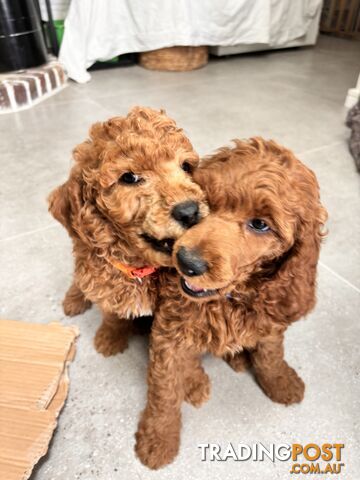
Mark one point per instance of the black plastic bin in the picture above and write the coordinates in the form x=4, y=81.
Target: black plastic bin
x=21, y=40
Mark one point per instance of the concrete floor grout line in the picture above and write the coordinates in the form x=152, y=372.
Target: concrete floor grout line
x=340, y=277
x=317, y=149
x=30, y=232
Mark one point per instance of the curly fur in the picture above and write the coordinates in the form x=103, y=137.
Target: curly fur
x=260, y=284
x=106, y=219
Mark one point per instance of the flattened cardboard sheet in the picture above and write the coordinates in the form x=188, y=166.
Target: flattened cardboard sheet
x=33, y=388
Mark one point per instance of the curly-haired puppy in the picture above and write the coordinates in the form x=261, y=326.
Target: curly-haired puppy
x=245, y=273
x=129, y=196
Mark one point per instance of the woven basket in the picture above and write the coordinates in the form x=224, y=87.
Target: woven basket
x=175, y=59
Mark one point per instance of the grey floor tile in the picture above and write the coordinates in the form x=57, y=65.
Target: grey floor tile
x=215, y=109
x=212, y=115
x=48, y=123
x=36, y=157
x=26, y=185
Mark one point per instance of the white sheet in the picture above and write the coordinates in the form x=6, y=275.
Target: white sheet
x=59, y=9
x=100, y=30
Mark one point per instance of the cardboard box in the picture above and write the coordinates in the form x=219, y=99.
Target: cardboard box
x=33, y=387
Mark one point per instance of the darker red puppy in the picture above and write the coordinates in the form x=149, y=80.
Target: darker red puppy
x=245, y=273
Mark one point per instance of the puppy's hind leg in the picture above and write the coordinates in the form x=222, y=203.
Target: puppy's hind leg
x=113, y=334
x=239, y=362
x=75, y=302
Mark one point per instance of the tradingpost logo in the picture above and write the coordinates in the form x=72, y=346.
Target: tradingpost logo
x=311, y=458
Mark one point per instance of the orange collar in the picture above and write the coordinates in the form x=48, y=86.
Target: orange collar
x=132, y=272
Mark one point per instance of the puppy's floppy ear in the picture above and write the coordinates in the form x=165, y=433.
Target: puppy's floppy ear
x=65, y=202
x=308, y=237
x=297, y=273
x=59, y=206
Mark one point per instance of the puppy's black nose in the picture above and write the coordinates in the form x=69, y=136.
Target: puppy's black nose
x=190, y=262
x=186, y=213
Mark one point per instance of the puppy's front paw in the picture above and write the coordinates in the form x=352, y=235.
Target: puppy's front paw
x=154, y=447
x=75, y=303
x=197, y=389
x=109, y=341
x=285, y=387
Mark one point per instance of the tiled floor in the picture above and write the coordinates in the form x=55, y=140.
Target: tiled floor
x=294, y=96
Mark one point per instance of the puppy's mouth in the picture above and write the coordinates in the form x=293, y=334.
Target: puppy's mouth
x=195, y=291
x=164, y=246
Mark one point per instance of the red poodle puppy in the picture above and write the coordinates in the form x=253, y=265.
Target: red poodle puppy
x=129, y=196
x=245, y=273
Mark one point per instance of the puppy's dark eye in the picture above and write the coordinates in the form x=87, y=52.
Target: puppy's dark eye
x=258, y=225
x=129, y=178
x=187, y=167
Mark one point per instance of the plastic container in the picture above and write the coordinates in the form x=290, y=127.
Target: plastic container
x=59, y=28
x=21, y=41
